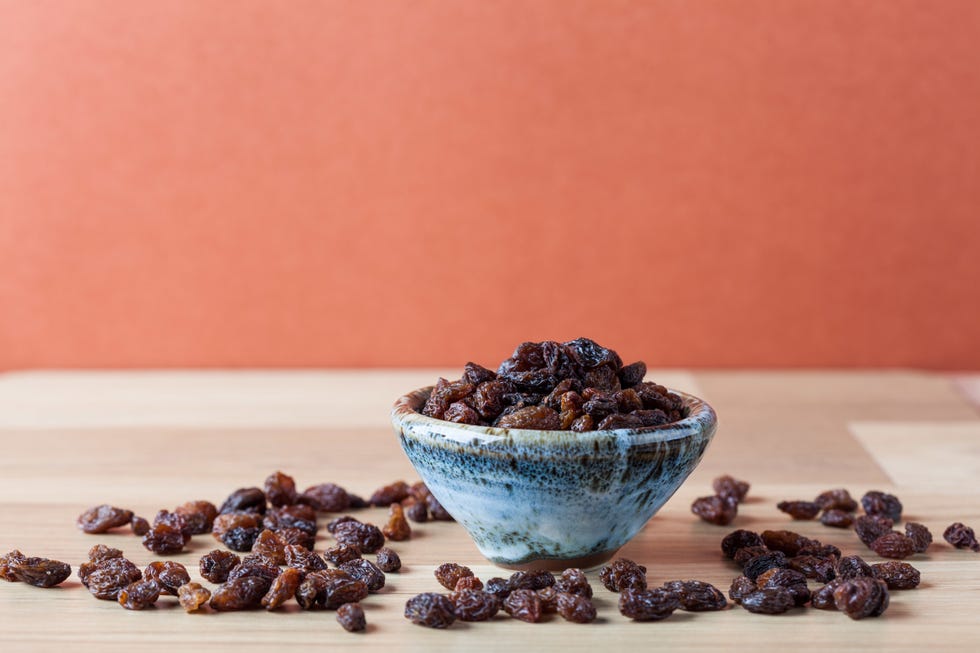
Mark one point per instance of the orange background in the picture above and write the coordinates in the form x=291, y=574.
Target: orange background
x=768, y=184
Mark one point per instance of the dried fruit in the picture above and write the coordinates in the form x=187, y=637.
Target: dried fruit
x=341, y=553
x=337, y=521
x=739, y=539
x=216, y=565
x=861, y=597
x=192, y=596
x=880, y=503
x=897, y=575
x=39, y=572
x=621, y=574
x=280, y=489
x=388, y=494
x=823, y=598
x=920, y=535
x=397, y=528
x=449, y=573
x=388, y=560
x=100, y=519
x=271, y=546
x=575, y=608
x=468, y=583
x=351, y=617
x=303, y=559
x=474, y=605
x=836, y=518
x=105, y=578
x=103, y=552
x=169, y=575
x=838, y=499
x=329, y=588
x=198, y=515
x=815, y=567
x=715, y=509
x=431, y=610
x=870, y=527
x=240, y=594
x=799, y=509
x=366, y=537
x=415, y=510
x=745, y=554
x=773, y=600
x=961, y=537
x=788, y=542
x=647, y=605
x=246, y=499
x=299, y=516
x=850, y=567
x=240, y=538
x=696, y=595
x=531, y=580
x=139, y=525
x=499, y=587
x=574, y=581
x=549, y=600
x=283, y=588
x=325, y=497
x=727, y=486
x=760, y=564
x=741, y=587
x=254, y=566
x=227, y=521
x=523, y=604
x=139, y=595
x=436, y=511
x=792, y=581
x=366, y=571
x=815, y=548
x=296, y=537
x=893, y=545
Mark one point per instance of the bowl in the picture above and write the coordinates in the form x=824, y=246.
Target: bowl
x=535, y=499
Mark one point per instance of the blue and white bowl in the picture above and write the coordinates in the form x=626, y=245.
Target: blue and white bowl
x=552, y=499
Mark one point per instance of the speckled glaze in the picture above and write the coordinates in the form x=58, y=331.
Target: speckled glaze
x=551, y=499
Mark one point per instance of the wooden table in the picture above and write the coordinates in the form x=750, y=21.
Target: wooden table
x=153, y=440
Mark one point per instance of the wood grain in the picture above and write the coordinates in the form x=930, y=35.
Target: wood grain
x=790, y=435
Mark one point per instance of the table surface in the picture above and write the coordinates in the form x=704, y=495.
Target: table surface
x=149, y=440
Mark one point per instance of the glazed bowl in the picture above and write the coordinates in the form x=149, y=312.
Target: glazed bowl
x=551, y=499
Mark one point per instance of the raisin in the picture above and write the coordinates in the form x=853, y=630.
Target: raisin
x=647, y=605
x=540, y=418
x=366, y=571
x=728, y=486
x=311, y=593
x=817, y=568
x=198, y=516
x=103, y=552
x=893, y=545
x=100, y=519
x=356, y=502
x=574, y=581
x=715, y=510
x=468, y=583
x=815, y=548
x=431, y=610
x=788, y=542
x=549, y=600
x=897, y=575
x=823, y=598
x=169, y=575
x=283, y=588
x=280, y=489
x=174, y=521
x=243, y=593
x=696, y=595
x=632, y=374
x=739, y=539
x=488, y=399
x=461, y=414
x=325, y=497
x=499, y=587
x=192, y=596
x=920, y=535
x=246, y=499
x=300, y=516
x=254, y=566
x=366, y=537
x=139, y=595
x=531, y=580
x=623, y=574
x=107, y=577
x=388, y=494
x=303, y=559
x=836, y=518
x=139, y=525
x=351, y=617
x=861, y=597
x=961, y=536
x=216, y=565
x=773, y=600
x=388, y=561
x=746, y=553
x=850, y=567
x=880, y=503
x=449, y=573
x=330, y=589
x=760, y=564
x=870, y=527
x=575, y=608
x=799, y=509
x=240, y=538
x=227, y=521
x=600, y=407
x=39, y=572
x=582, y=424
x=164, y=540
x=334, y=523
x=524, y=605
x=397, y=528
x=271, y=546
x=476, y=374
x=474, y=605
x=296, y=537
x=342, y=553
x=838, y=499
x=436, y=511
x=619, y=421
x=788, y=579
x=741, y=587
x=415, y=510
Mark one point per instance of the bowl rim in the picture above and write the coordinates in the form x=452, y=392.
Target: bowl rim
x=700, y=417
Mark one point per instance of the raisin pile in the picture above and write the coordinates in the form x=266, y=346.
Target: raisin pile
x=576, y=385
x=721, y=507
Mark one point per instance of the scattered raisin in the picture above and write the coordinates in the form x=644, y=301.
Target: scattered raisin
x=897, y=575
x=575, y=608
x=574, y=581
x=772, y=600
x=299, y=516
x=474, y=605
x=815, y=567
x=499, y=587
x=415, y=510
x=139, y=525
x=330, y=589
x=741, y=587
x=621, y=574
x=468, y=583
x=100, y=519
x=850, y=567
x=788, y=542
x=838, y=499
x=727, y=486
x=366, y=571
x=366, y=537
x=746, y=553
x=341, y=553
x=531, y=580
x=880, y=503
x=337, y=521
x=198, y=515
x=870, y=527
x=449, y=573
x=397, y=528
x=861, y=597
x=227, y=521
x=169, y=575
x=254, y=566
x=303, y=559
x=216, y=565
x=836, y=518
x=280, y=489
x=388, y=561
x=296, y=537
x=920, y=535
x=715, y=509
x=351, y=617
x=799, y=509
x=246, y=499
x=436, y=511
x=792, y=581
x=243, y=593
x=696, y=595
x=139, y=595
x=271, y=546
x=760, y=564
x=647, y=605
x=103, y=552
x=961, y=537
x=240, y=538
x=431, y=610
x=815, y=548
x=823, y=598
x=283, y=588
x=739, y=539
x=192, y=596
x=893, y=545
x=106, y=577
x=325, y=497
x=39, y=572
x=523, y=604
x=388, y=494
x=549, y=599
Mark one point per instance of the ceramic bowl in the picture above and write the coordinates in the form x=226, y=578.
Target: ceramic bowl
x=551, y=499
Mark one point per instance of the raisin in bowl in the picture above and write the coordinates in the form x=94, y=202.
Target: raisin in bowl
x=552, y=499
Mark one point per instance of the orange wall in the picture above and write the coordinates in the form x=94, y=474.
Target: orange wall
x=767, y=183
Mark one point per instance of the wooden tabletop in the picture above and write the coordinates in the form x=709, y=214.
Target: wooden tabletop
x=153, y=440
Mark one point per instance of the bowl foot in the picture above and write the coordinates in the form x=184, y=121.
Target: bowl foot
x=560, y=564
